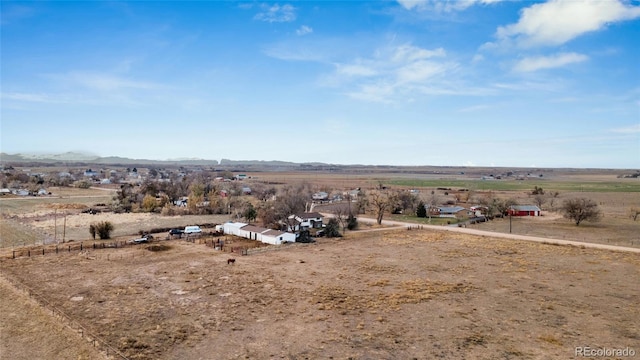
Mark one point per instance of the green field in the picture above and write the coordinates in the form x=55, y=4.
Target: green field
x=624, y=185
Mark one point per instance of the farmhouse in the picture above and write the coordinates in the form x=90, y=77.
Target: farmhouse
x=524, y=210
x=320, y=196
x=303, y=221
x=449, y=211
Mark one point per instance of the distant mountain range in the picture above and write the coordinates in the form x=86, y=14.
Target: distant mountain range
x=77, y=158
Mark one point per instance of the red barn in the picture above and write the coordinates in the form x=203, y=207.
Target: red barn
x=524, y=210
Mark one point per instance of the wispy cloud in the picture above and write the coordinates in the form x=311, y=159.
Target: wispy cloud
x=102, y=81
x=396, y=73
x=30, y=97
x=474, y=108
x=304, y=30
x=276, y=13
x=558, y=21
x=442, y=5
x=530, y=64
x=14, y=12
x=633, y=129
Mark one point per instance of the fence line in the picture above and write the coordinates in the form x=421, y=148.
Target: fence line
x=66, y=320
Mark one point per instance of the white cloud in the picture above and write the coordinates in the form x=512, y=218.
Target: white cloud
x=548, y=62
x=405, y=53
x=276, y=13
x=104, y=82
x=442, y=5
x=304, y=30
x=28, y=97
x=394, y=72
x=420, y=71
x=559, y=21
x=355, y=70
x=633, y=129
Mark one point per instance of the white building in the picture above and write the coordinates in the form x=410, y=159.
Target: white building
x=269, y=236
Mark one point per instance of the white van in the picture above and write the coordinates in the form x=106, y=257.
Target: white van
x=192, y=229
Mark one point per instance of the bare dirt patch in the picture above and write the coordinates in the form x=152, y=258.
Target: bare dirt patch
x=387, y=294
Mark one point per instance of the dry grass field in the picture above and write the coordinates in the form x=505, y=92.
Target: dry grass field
x=394, y=294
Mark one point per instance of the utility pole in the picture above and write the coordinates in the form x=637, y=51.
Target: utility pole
x=510, y=222
x=64, y=227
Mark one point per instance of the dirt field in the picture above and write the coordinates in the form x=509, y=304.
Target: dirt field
x=379, y=295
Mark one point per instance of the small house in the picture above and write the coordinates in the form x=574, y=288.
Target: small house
x=452, y=211
x=303, y=221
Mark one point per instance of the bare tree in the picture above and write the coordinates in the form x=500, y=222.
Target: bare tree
x=341, y=214
x=540, y=199
x=380, y=202
x=432, y=202
x=553, y=195
x=581, y=209
x=292, y=199
x=406, y=200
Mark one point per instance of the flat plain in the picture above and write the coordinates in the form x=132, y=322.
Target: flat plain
x=387, y=294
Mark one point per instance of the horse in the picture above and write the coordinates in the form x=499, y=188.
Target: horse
x=231, y=261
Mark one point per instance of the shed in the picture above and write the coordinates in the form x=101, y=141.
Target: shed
x=233, y=228
x=524, y=210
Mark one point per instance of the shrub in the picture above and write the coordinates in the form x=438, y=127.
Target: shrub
x=103, y=229
x=352, y=222
x=333, y=228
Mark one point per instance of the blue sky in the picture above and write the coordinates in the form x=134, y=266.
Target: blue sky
x=450, y=83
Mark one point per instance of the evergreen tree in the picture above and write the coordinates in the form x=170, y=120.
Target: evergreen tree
x=421, y=211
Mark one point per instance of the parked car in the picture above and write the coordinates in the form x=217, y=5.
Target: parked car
x=176, y=232
x=139, y=240
x=144, y=239
x=192, y=229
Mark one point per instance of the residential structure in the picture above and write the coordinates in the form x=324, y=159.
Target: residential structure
x=305, y=221
x=448, y=211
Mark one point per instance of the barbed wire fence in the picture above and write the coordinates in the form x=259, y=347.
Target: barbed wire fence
x=67, y=320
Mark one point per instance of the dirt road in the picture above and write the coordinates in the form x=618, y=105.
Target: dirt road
x=399, y=224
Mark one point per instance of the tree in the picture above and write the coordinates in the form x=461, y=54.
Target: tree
x=421, y=211
x=537, y=191
x=333, y=228
x=148, y=203
x=380, y=201
x=634, y=212
x=291, y=200
x=552, y=198
x=122, y=201
x=93, y=231
x=341, y=213
x=581, y=209
x=250, y=213
x=406, y=200
x=540, y=200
